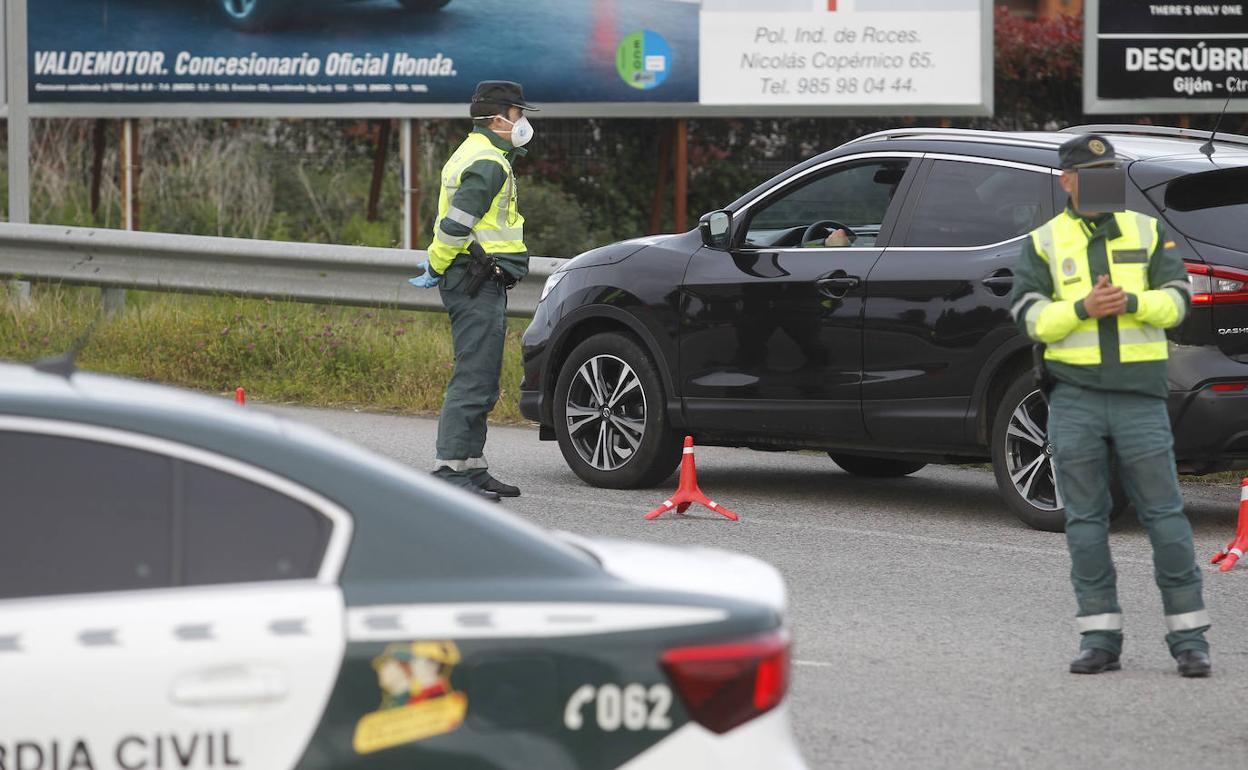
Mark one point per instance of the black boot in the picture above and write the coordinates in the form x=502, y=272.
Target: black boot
x=1193, y=663
x=502, y=490
x=1095, y=661
x=466, y=483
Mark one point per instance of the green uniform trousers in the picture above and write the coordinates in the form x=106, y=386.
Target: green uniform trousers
x=478, y=330
x=1085, y=426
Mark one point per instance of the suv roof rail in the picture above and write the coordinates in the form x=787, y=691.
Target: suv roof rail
x=1130, y=129
x=991, y=137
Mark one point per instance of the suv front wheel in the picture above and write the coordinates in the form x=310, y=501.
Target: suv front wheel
x=1022, y=459
x=609, y=415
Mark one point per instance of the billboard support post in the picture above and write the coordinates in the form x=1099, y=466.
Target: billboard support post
x=381, y=150
x=657, y=204
x=114, y=300
x=682, y=175
x=98, y=135
x=410, y=150
x=18, y=88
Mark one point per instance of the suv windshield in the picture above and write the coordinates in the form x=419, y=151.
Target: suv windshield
x=1211, y=206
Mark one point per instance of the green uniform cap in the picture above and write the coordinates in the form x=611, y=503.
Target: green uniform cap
x=1086, y=151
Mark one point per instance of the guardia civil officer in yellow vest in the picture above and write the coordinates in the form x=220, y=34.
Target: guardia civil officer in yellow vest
x=478, y=253
x=1100, y=289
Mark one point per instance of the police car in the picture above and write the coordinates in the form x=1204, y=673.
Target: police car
x=185, y=583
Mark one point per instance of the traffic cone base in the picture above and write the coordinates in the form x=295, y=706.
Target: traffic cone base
x=240, y=396
x=688, y=492
x=1234, y=550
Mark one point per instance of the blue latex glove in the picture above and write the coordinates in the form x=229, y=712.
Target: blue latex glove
x=428, y=280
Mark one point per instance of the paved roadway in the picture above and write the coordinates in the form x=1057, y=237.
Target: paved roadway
x=932, y=630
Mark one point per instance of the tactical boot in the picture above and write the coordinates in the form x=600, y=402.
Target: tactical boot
x=502, y=490
x=1193, y=663
x=1094, y=661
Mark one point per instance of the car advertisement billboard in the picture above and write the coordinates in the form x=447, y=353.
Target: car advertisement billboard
x=414, y=58
x=1166, y=57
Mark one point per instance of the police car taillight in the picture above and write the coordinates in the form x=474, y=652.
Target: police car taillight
x=726, y=685
x=1216, y=284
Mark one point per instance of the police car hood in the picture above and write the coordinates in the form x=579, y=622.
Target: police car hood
x=689, y=569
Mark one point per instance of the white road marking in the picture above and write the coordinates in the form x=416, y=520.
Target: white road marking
x=814, y=663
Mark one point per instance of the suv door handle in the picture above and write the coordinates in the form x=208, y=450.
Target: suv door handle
x=839, y=286
x=1000, y=279
x=230, y=686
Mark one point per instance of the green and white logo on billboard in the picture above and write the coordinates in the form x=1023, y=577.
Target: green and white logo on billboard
x=644, y=59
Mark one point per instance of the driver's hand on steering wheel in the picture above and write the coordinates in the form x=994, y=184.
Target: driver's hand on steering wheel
x=838, y=239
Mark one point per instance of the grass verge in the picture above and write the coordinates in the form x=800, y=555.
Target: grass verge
x=279, y=351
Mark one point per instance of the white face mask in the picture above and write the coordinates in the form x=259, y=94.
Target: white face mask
x=521, y=131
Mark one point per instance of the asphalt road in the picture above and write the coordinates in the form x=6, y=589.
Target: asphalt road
x=932, y=630
x=562, y=50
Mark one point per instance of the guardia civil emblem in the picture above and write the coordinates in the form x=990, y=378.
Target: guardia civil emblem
x=1068, y=267
x=1097, y=147
x=417, y=700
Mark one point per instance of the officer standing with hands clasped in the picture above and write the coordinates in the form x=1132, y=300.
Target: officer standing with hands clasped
x=478, y=253
x=1099, y=289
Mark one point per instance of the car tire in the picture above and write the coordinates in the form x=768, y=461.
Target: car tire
x=424, y=6
x=253, y=15
x=875, y=467
x=1020, y=449
x=607, y=452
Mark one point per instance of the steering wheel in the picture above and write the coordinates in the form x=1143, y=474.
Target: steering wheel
x=823, y=228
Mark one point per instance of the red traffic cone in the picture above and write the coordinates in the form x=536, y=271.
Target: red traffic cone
x=688, y=492
x=240, y=396
x=1234, y=550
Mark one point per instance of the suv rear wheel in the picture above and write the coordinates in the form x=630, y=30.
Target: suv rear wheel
x=1022, y=459
x=875, y=467
x=609, y=415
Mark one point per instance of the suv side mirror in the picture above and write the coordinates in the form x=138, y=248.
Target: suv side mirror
x=715, y=228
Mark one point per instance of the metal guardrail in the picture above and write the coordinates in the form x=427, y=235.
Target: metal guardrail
x=195, y=264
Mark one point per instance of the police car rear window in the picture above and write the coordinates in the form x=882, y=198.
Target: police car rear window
x=80, y=517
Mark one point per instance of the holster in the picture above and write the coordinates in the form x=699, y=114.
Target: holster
x=1044, y=378
x=481, y=268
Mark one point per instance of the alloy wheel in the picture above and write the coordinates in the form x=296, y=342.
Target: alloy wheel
x=606, y=412
x=1029, y=455
x=239, y=9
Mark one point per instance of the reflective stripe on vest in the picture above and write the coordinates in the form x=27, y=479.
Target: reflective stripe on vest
x=501, y=229
x=1063, y=243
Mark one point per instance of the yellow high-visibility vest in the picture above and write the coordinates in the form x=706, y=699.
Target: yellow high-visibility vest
x=500, y=230
x=1062, y=243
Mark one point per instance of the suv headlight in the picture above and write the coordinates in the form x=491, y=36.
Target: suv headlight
x=551, y=283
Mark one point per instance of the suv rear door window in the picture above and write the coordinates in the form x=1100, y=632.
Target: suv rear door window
x=81, y=516
x=966, y=204
x=1211, y=207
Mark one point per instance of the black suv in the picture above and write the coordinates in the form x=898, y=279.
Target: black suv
x=898, y=350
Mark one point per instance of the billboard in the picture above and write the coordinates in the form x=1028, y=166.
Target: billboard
x=1165, y=57
x=421, y=58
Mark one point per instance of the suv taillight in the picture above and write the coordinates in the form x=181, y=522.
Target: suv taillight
x=726, y=685
x=1217, y=285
